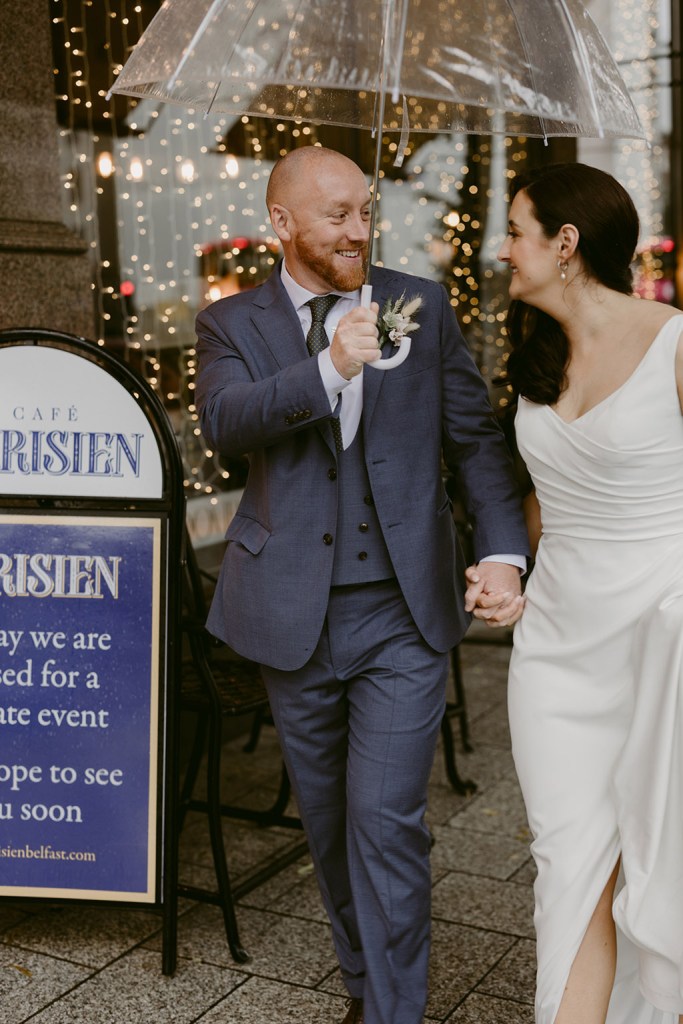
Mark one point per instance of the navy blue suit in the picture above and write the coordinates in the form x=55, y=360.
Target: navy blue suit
x=356, y=675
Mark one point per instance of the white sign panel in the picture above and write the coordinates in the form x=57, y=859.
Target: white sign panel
x=68, y=427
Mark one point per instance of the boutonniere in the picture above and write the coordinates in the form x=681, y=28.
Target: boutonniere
x=395, y=320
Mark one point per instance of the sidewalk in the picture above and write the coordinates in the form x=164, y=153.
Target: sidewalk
x=93, y=965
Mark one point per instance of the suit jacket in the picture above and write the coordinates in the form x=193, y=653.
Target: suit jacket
x=259, y=393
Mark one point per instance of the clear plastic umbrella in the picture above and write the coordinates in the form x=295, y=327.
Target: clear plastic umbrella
x=516, y=67
x=537, y=68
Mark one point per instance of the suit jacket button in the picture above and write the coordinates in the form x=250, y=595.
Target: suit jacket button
x=363, y=527
x=328, y=538
x=332, y=474
x=362, y=555
x=368, y=499
x=288, y=420
x=306, y=413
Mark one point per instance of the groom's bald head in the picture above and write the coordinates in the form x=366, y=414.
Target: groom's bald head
x=294, y=174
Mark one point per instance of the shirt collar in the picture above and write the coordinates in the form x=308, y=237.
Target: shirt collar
x=299, y=296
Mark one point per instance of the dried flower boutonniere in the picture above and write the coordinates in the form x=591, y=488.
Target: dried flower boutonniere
x=395, y=320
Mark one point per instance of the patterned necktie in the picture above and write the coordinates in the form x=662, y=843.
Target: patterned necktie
x=317, y=340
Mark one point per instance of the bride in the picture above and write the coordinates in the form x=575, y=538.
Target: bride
x=595, y=689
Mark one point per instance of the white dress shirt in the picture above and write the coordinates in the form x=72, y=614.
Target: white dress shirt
x=335, y=384
x=352, y=405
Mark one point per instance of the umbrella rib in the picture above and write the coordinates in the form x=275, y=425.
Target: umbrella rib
x=581, y=50
x=195, y=39
x=377, y=129
x=401, y=48
x=376, y=117
x=230, y=56
x=530, y=66
x=213, y=98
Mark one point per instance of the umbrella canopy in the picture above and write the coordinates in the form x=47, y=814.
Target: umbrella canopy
x=512, y=67
x=515, y=67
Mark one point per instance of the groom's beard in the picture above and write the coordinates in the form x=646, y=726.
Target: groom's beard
x=330, y=267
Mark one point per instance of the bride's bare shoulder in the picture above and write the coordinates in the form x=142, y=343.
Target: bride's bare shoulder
x=659, y=311
x=649, y=315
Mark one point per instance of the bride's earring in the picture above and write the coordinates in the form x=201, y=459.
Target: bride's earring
x=563, y=266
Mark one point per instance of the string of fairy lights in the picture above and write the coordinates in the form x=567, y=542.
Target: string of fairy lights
x=640, y=34
x=174, y=219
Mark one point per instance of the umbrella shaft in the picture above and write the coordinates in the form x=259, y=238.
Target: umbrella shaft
x=375, y=175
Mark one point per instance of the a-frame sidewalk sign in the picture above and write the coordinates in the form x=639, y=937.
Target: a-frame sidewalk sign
x=91, y=548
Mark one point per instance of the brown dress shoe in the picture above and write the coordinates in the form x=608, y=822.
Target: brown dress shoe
x=355, y=1012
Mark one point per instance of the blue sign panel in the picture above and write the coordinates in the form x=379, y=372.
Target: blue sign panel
x=79, y=688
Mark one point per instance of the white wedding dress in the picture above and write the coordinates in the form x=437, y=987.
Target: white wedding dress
x=596, y=685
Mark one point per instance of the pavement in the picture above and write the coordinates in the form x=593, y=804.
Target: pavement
x=70, y=964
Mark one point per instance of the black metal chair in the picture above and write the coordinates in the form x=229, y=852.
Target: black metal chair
x=216, y=684
x=457, y=709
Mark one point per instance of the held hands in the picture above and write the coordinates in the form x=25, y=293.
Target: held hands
x=494, y=593
x=355, y=341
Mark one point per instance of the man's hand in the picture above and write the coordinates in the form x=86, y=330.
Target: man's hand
x=355, y=341
x=494, y=593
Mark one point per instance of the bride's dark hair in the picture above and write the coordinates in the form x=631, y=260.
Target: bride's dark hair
x=604, y=215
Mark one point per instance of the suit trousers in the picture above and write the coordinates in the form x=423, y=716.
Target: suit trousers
x=358, y=726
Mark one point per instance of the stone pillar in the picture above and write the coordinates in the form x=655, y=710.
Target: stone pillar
x=45, y=278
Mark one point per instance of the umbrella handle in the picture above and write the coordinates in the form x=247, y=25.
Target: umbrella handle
x=404, y=348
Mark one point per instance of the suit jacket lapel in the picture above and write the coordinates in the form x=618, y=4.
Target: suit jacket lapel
x=277, y=322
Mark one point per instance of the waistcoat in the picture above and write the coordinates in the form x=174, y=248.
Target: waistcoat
x=360, y=555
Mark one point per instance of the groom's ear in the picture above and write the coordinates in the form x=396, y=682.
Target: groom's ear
x=281, y=219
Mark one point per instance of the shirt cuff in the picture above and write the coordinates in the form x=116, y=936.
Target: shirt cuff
x=333, y=382
x=518, y=560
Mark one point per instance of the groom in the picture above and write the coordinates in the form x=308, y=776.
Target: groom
x=342, y=575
